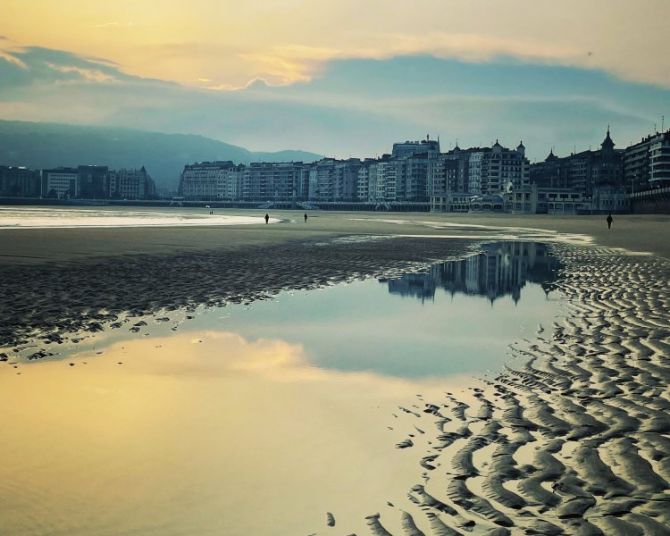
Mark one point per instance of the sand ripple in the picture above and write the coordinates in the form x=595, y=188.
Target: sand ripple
x=577, y=440
x=574, y=441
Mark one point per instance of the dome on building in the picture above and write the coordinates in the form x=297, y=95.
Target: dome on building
x=521, y=148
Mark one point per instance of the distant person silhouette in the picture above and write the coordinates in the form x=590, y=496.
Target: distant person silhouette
x=267, y=218
x=305, y=217
x=610, y=219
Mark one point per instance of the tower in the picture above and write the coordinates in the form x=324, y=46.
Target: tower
x=607, y=145
x=521, y=149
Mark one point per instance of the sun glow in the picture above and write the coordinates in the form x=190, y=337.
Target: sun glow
x=225, y=44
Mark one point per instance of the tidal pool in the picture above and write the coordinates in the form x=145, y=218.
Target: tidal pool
x=458, y=317
x=260, y=419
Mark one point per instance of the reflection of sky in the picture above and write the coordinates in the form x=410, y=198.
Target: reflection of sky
x=201, y=433
x=269, y=405
x=361, y=326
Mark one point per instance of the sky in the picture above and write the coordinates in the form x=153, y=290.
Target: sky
x=343, y=78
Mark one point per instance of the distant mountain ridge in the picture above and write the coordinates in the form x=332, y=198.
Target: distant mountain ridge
x=44, y=145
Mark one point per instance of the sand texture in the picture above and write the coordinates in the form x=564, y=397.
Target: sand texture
x=30, y=246
x=44, y=302
x=577, y=440
x=572, y=439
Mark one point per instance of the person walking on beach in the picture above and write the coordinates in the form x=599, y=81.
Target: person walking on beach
x=610, y=219
x=267, y=219
x=305, y=217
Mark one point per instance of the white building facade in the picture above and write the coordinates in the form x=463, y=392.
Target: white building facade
x=62, y=183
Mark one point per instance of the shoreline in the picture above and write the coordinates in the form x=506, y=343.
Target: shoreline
x=24, y=246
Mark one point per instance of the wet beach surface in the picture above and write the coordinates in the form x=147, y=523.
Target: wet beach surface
x=191, y=416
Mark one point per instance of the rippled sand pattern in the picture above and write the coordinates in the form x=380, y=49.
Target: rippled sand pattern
x=574, y=442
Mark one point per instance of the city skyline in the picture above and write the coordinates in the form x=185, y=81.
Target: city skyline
x=341, y=81
x=415, y=175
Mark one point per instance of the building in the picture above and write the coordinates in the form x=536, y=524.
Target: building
x=409, y=148
x=60, y=183
x=647, y=163
x=93, y=182
x=208, y=181
x=371, y=180
x=322, y=180
x=479, y=177
x=333, y=180
x=554, y=200
x=443, y=188
x=608, y=198
x=582, y=172
x=131, y=184
x=363, y=185
x=229, y=183
x=271, y=182
x=412, y=177
x=19, y=182
x=346, y=179
x=302, y=188
x=387, y=174
x=659, y=168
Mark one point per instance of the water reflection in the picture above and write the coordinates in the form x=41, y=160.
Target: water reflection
x=363, y=326
x=249, y=420
x=501, y=269
x=200, y=433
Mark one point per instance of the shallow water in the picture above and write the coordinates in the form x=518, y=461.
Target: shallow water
x=457, y=318
x=259, y=419
x=64, y=218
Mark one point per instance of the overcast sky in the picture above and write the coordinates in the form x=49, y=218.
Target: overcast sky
x=343, y=77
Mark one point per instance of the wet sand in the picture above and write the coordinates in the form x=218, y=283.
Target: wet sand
x=576, y=440
x=646, y=233
x=44, y=302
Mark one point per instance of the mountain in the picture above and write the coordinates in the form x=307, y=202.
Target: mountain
x=44, y=145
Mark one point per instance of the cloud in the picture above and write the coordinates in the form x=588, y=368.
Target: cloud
x=10, y=58
x=89, y=75
x=352, y=107
x=287, y=41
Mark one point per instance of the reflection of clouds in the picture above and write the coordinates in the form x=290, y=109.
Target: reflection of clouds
x=217, y=354
x=214, y=354
x=199, y=434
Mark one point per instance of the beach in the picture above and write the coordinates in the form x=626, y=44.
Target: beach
x=640, y=233
x=570, y=436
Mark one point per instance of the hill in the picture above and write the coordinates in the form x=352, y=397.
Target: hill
x=43, y=145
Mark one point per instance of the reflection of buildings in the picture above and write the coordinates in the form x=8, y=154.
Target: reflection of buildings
x=501, y=269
